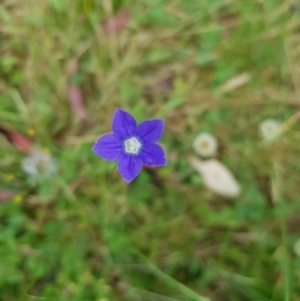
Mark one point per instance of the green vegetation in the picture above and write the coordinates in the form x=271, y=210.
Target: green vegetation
x=219, y=66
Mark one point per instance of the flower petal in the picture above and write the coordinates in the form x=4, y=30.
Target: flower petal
x=124, y=124
x=153, y=154
x=129, y=167
x=108, y=147
x=217, y=177
x=150, y=131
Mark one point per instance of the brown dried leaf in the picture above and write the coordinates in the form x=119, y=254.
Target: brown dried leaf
x=21, y=142
x=117, y=22
x=6, y=195
x=75, y=96
x=235, y=82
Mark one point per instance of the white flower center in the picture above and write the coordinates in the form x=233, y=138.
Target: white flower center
x=132, y=146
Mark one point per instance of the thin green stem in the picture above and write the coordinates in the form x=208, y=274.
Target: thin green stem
x=280, y=204
x=171, y=281
x=285, y=259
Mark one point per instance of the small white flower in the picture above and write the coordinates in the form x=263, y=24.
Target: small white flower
x=39, y=164
x=216, y=177
x=269, y=128
x=297, y=247
x=205, y=145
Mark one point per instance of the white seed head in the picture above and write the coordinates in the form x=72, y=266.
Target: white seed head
x=269, y=128
x=216, y=177
x=132, y=146
x=39, y=164
x=205, y=145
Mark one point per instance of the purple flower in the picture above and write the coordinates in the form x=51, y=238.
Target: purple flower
x=132, y=145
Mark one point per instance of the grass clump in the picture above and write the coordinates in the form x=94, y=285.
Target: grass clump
x=221, y=67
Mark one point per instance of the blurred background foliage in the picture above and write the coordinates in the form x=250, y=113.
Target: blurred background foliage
x=220, y=66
